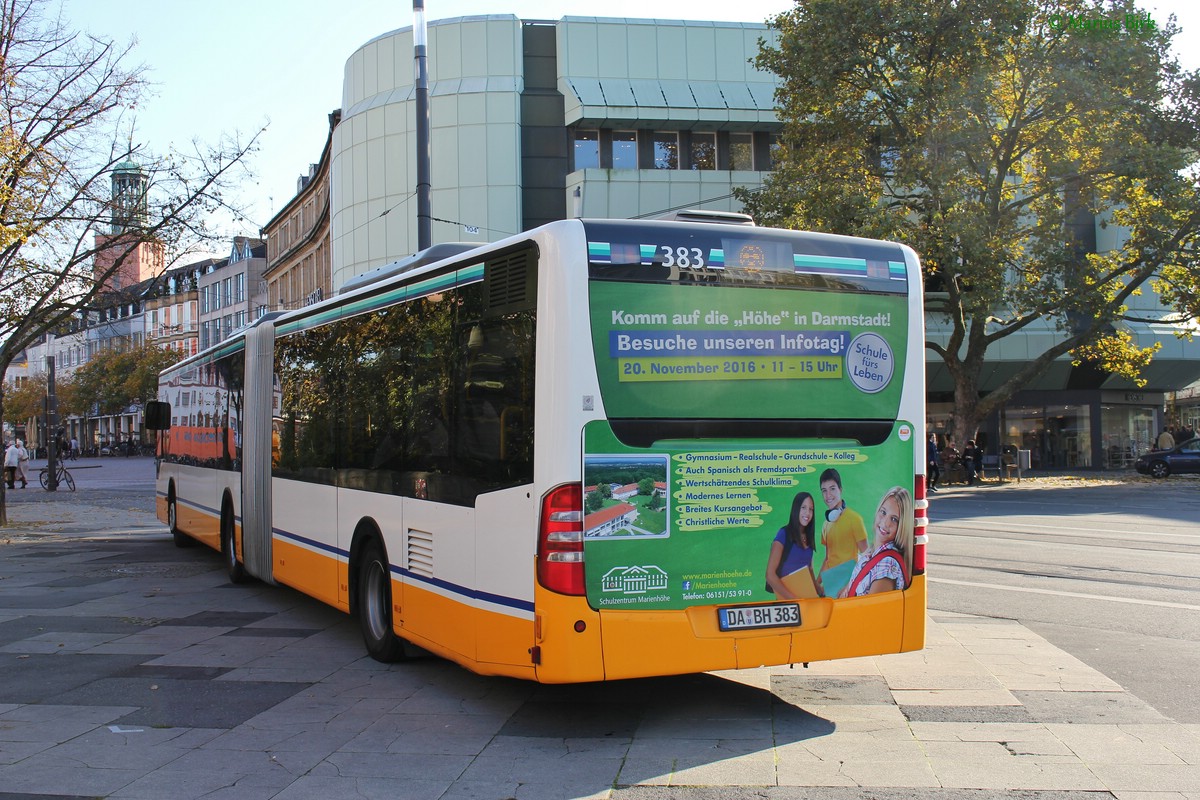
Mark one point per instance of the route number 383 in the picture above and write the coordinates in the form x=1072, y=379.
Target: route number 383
x=682, y=257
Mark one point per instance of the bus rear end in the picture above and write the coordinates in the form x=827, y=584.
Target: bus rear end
x=750, y=408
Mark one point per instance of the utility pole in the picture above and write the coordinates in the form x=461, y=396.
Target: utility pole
x=51, y=429
x=424, y=153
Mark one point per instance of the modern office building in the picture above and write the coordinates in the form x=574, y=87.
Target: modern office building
x=534, y=121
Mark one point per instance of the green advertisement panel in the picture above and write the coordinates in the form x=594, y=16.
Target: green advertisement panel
x=694, y=523
x=685, y=351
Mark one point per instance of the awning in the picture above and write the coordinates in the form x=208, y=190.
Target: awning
x=1176, y=365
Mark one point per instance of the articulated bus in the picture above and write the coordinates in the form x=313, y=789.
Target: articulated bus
x=601, y=449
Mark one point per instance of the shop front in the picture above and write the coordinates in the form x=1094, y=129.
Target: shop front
x=1184, y=407
x=1066, y=430
x=1130, y=422
x=1057, y=436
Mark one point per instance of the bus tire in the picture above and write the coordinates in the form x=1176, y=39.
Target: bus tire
x=181, y=539
x=237, y=572
x=374, y=604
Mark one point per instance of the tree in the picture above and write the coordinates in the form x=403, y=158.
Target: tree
x=65, y=123
x=116, y=379
x=988, y=135
x=26, y=400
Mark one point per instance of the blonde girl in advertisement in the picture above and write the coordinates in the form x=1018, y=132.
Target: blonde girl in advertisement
x=888, y=565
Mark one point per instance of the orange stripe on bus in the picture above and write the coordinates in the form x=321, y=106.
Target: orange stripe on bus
x=313, y=573
x=501, y=642
x=638, y=643
x=200, y=525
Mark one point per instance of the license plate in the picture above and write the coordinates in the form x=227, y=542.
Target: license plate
x=776, y=615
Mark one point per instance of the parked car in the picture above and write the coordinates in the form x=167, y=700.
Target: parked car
x=1183, y=457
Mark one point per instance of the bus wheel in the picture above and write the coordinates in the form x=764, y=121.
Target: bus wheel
x=237, y=573
x=374, y=587
x=181, y=538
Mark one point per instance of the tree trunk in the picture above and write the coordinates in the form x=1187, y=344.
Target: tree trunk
x=967, y=418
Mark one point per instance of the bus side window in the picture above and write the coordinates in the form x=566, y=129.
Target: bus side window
x=496, y=389
x=479, y=419
x=428, y=362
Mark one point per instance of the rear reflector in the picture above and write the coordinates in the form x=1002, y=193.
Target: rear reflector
x=560, y=541
x=920, y=524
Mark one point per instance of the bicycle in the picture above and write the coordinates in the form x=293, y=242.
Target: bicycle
x=62, y=473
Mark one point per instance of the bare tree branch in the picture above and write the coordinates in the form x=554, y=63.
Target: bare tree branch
x=64, y=103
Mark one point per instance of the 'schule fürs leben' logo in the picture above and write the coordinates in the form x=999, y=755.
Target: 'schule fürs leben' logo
x=634, y=580
x=870, y=362
x=1092, y=23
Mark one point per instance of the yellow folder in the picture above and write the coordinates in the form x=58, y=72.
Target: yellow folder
x=801, y=583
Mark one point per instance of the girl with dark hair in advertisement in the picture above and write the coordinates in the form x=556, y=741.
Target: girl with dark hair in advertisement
x=789, y=566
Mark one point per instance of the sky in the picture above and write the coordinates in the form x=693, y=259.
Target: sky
x=233, y=66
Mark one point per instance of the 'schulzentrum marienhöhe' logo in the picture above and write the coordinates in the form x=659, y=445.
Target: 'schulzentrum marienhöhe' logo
x=634, y=580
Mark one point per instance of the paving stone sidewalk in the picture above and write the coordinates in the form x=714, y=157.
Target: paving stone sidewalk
x=132, y=669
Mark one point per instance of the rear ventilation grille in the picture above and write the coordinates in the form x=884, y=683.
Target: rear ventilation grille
x=510, y=283
x=420, y=553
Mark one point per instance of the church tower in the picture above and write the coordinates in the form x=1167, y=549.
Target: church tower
x=129, y=218
x=129, y=203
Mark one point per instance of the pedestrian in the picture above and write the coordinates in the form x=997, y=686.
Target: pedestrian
x=22, y=463
x=933, y=463
x=1165, y=440
x=972, y=461
x=12, y=460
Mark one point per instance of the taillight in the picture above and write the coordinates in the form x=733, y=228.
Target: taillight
x=920, y=525
x=560, y=540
